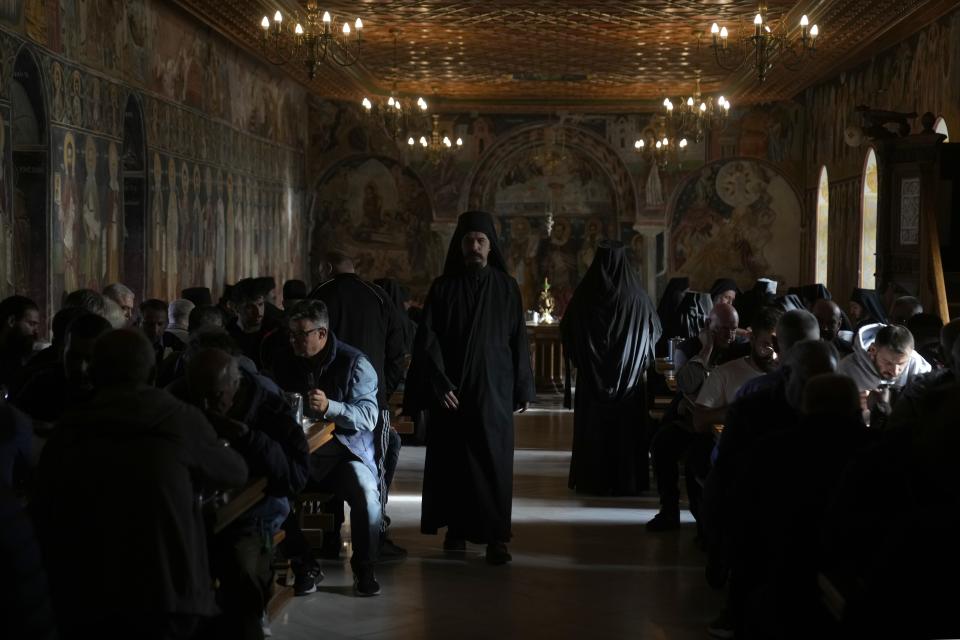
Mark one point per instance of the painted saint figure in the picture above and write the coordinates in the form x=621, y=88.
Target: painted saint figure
x=115, y=231
x=93, y=249
x=67, y=212
x=158, y=237
x=173, y=230
x=7, y=279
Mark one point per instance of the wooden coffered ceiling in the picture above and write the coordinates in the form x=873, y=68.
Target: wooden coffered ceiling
x=508, y=55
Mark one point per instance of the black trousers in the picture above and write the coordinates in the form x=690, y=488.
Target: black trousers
x=669, y=445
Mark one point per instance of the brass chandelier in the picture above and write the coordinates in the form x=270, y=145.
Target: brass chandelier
x=437, y=145
x=396, y=114
x=695, y=115
x=315, y=38
x=764, y=47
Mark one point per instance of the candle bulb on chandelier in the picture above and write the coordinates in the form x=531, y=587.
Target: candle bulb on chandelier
x=638, y=145
x=411, y=141
x=326, y=22
x=459, y=142
x=358, y=25
x=367, y=104
x=804, y=22
x=278, y=17
x=346, y=29
x=714, y=32
x=723, y=37
x=265, y=23
x=757, y=22
x=298, y=29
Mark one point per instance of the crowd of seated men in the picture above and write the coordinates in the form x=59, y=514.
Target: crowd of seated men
x=818, y=446
x=116, y=434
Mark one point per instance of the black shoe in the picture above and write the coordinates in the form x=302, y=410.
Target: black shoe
x=306, y=582
x=455, y=545
x=497, y=554
x=664, y=521
x=390, y=552
x=365, y=583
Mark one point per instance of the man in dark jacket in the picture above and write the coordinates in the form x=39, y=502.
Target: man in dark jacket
x=155, y=454
x=364, y=316
x=19, y=330
x=55, y=389
x=339, y=385
x=251, y=325
x=259, y=425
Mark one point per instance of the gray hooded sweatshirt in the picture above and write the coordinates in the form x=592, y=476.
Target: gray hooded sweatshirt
x=859, y=366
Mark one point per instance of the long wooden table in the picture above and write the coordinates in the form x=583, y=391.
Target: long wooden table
x=235, y=503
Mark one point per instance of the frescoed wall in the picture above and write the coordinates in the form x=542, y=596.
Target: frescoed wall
x=221, y=147
x=735, y=218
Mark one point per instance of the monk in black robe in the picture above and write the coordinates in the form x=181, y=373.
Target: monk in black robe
x=609, y=330
x=470, y=372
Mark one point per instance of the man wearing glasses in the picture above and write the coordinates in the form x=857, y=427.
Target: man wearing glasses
x=338, y=385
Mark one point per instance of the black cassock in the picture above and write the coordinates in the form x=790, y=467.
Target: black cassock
x=472, y=339
x=608, y=332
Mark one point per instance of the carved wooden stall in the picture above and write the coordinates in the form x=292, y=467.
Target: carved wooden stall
x=916, y=182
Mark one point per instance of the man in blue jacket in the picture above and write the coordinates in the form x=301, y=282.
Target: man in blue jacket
x=338, y=385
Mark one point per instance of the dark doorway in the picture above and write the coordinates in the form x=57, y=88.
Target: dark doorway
x=134, y=273
x=31, y=228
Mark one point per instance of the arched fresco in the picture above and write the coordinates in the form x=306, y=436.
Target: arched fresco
x=738, y=218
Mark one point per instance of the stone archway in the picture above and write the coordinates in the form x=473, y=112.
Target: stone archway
x=578, y=140
x=570, y=172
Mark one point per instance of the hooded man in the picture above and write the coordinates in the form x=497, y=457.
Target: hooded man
x=608, y=332
x=471, y=371
x=883, y=355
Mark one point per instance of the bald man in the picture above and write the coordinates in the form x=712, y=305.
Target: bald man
x=257, y=425
x=830, y=318
x=677, y=437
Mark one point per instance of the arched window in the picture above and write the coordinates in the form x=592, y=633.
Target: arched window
x=941, y=127
x=868, y=223
x=823, y=224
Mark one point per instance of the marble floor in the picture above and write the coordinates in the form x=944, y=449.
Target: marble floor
x=583, y=567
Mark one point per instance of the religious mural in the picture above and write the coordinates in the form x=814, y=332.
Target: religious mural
x=735, y=218
x=224, y=140
x=378, y=211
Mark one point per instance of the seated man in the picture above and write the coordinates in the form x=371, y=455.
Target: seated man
x=339, y=385
x=776, y=550
x=910, y=401
x=250, y=327
x=155, y=454
x=904, y=308
x=177, y=334
x=883, y=361
x=19, y=330
x=830, y=317
x=259, y=425
x=124, y=297
x=202, y=318
x=749, y=419
x=714, y=346
x=794, y=326
x=721, y=386
x=153, y=320
x=52, y=391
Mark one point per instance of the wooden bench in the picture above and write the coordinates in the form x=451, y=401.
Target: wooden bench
x=233, y=504
x=400, y=423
